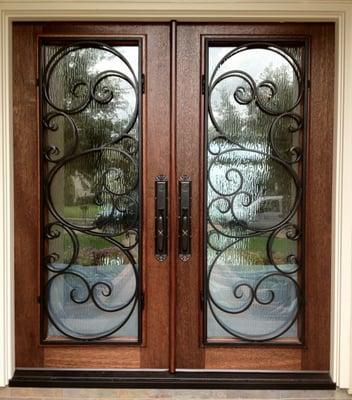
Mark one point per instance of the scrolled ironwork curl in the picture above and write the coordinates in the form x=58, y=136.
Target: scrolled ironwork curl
x=292, y=232
x=90, y=292
x=52, y=152
x=255, y=89
x=232, y=198
x=90, y=86
x=52, y=233
x=114, y=186
x=254, y=298
x=105, y=184
x=293, y=151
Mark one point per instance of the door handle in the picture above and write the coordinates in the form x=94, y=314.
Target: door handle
x=185, y=232
x=161, y=217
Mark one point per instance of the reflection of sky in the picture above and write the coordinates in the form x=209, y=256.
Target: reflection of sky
x=252, y=61
x=253, y=167
x=99, y=61
x=85, y=64
x=245, y=171
x=258, y=63
x=111, y=62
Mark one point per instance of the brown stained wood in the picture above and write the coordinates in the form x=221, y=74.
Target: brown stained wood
x=153, y=353
x=26, y=196
x=92, y=357
x=160, y=325
x=319, y=200
x=173, y=232
x=189, y=354
x=190, y=351
x=253, y=358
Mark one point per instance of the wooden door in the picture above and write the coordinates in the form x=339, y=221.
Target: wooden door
x=256, y=287
x=90, y=292
x=173, y=195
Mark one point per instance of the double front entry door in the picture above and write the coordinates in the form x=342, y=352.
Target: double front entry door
x=173, y=195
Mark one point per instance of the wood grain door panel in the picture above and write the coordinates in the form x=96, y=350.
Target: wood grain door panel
x=173, y=60
x=314, y=354
x=153, y=351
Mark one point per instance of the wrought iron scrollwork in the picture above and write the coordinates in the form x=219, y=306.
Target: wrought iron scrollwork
x=233, y=196
x=113, y=192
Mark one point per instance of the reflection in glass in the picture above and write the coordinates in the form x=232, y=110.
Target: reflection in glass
x=255, y=103
x=90, y=100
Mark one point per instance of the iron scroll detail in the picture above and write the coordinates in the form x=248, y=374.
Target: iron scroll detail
x=90, y=155
x=233, y=195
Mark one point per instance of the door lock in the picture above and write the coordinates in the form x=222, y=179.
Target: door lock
x=184, y=236
x=161, y=217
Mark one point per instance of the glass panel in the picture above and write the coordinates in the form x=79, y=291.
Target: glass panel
x=254, y=156
x=90, y=141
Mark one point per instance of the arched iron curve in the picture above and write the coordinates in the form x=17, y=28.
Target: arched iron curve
x=55, y=159
x=220, y=145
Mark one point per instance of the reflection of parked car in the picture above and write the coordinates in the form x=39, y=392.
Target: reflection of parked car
x=114, y=219
x=265, y=211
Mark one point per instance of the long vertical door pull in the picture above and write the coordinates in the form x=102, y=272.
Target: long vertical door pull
x=161, y=217
x=185, y=218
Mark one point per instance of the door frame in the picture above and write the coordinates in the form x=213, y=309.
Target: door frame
x=339, y=12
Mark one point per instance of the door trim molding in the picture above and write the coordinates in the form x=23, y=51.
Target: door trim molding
x=180, y=379
x=338, y=11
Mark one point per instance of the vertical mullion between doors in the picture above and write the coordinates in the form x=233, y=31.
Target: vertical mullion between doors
x=173, y=200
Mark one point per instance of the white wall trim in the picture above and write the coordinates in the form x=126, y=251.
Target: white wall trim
x=6, y=208
x=338, y=11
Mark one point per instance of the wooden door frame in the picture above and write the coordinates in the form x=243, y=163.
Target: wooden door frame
x=29, y=353
x=32, y=350
x=339, y=12
x=312, y=353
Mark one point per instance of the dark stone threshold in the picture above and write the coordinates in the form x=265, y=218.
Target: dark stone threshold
x=185, y=380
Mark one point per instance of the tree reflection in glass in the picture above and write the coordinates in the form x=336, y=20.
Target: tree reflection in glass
x=90, y=114
x=255, y=132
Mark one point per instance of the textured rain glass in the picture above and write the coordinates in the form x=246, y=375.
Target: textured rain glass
x=255, y=98
x=90, y=128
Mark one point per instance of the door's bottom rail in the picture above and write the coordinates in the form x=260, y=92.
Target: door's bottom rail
x=41, y=377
